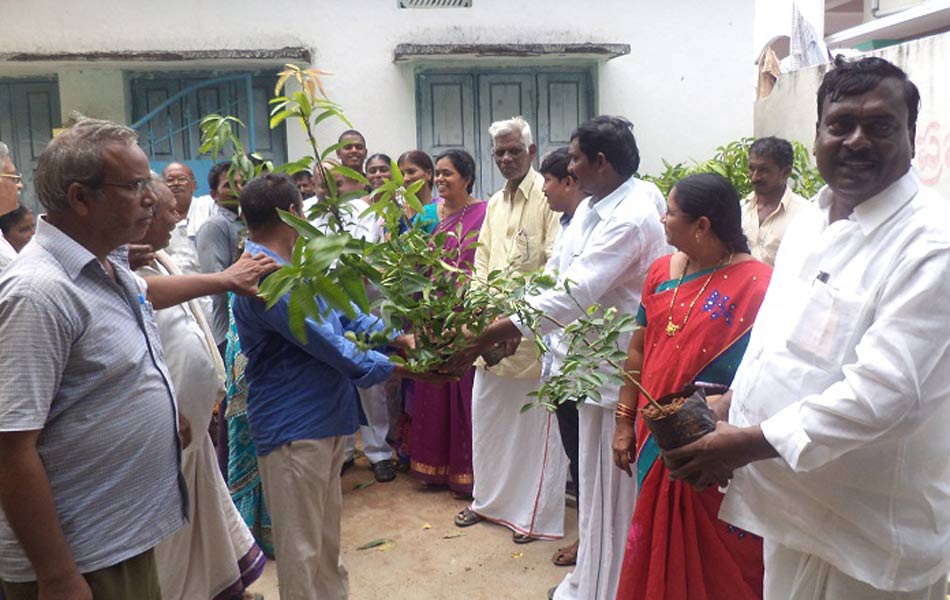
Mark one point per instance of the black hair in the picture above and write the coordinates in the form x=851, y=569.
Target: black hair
x=555, y=163
x=302, y=174
x=852, y=78
x=214, y=175
x=712, y=196
x=420, y=159
x=12, y=218
x=775, y=149
x=378, y=156
x=351, y=132
x=263, y=195
x=463, y=163
x=613, y=137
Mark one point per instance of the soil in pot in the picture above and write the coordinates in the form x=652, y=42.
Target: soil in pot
x=681, y=418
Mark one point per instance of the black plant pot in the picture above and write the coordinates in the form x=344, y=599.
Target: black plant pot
x=691, y=421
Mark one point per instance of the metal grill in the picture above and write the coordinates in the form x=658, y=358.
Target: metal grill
x=435, y=3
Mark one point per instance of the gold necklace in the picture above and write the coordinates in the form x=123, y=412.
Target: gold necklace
x=671, y=327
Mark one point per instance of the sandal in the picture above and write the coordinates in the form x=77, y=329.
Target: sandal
x=566, y=556
x=466, y=518
x=520, y=538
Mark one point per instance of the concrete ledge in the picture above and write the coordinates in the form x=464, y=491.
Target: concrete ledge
x=287, y=53
x=410, y=52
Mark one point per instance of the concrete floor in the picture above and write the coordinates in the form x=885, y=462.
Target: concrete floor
x=431, y=558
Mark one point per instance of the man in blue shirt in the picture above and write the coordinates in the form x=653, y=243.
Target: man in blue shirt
x=301, y=404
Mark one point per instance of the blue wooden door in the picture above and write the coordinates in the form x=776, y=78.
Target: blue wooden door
x=29, y=110
x=173, y=133
x=455, y=108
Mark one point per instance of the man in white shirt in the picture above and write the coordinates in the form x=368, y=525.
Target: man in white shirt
x=193, y=211
x=614, y=237
x=839, y=410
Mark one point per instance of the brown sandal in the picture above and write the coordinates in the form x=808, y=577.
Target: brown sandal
x=566, y=556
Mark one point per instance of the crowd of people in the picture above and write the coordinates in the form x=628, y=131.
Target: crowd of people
x=162, y=431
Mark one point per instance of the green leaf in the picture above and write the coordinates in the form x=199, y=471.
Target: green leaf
x=303, y=226
x=296, y=314
x=332, y=294
x=277, y=285
x=280, y=117
x=352, y=283
x=350, y=174
x=331, y=149
x=374, y=544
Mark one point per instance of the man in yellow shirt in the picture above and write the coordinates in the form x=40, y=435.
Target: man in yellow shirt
x=519, y=466
x=768, y=210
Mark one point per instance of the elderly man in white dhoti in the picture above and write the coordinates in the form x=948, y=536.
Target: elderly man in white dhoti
x=214, y=555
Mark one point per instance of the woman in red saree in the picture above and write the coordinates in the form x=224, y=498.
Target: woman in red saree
x=696, y=314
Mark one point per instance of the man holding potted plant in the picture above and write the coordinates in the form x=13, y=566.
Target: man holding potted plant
x=613, y=238
x=839, y=410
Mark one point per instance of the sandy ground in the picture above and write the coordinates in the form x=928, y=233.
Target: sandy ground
x=428, y=556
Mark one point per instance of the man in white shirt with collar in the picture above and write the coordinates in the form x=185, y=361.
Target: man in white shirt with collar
x=194, y=211
x=606, y=251
x=839, y=410
x=771, y=206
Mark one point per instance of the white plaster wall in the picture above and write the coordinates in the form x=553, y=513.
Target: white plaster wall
x=97, y=93
x=686, y=84
x=790, y=111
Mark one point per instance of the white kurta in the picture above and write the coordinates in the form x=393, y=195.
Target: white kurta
x=606, y=252
x=201, y=559
x=518, y=463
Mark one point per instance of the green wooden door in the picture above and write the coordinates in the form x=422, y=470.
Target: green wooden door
x=29, y=110
x=455, y=108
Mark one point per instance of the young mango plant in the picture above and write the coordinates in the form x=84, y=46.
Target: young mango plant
x=405, y=275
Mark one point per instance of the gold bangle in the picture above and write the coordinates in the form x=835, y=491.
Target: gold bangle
x=626, y=413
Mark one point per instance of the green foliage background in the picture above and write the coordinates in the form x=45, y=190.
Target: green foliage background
x=732, y=162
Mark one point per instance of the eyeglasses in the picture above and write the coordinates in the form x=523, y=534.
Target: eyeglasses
x=16, y=177
x=139, y=186
x=180, y=179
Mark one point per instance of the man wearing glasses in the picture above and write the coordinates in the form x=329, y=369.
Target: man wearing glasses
x=193, y=213
x=90, y=447
x=526, y=494
x=10, y=185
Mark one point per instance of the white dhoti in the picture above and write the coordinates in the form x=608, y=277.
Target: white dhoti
x=214, y=552
x=519, y=466
x=607, y=498
x=794, y=575
x=376, y=408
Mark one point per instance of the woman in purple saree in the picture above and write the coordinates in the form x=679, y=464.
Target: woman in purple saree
x=440, y=446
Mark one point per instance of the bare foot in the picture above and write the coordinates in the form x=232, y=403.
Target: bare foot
x=566, y=556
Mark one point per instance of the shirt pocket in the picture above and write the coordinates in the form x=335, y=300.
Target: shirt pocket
x=825, y=330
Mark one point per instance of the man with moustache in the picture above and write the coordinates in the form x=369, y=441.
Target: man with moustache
x=837, y=427
x=614, y=237
x=771, y=206
x=193, y=212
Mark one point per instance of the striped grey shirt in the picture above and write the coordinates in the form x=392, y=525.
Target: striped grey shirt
x=80, y=360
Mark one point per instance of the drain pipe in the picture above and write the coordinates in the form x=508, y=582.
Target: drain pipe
x=877, y=13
